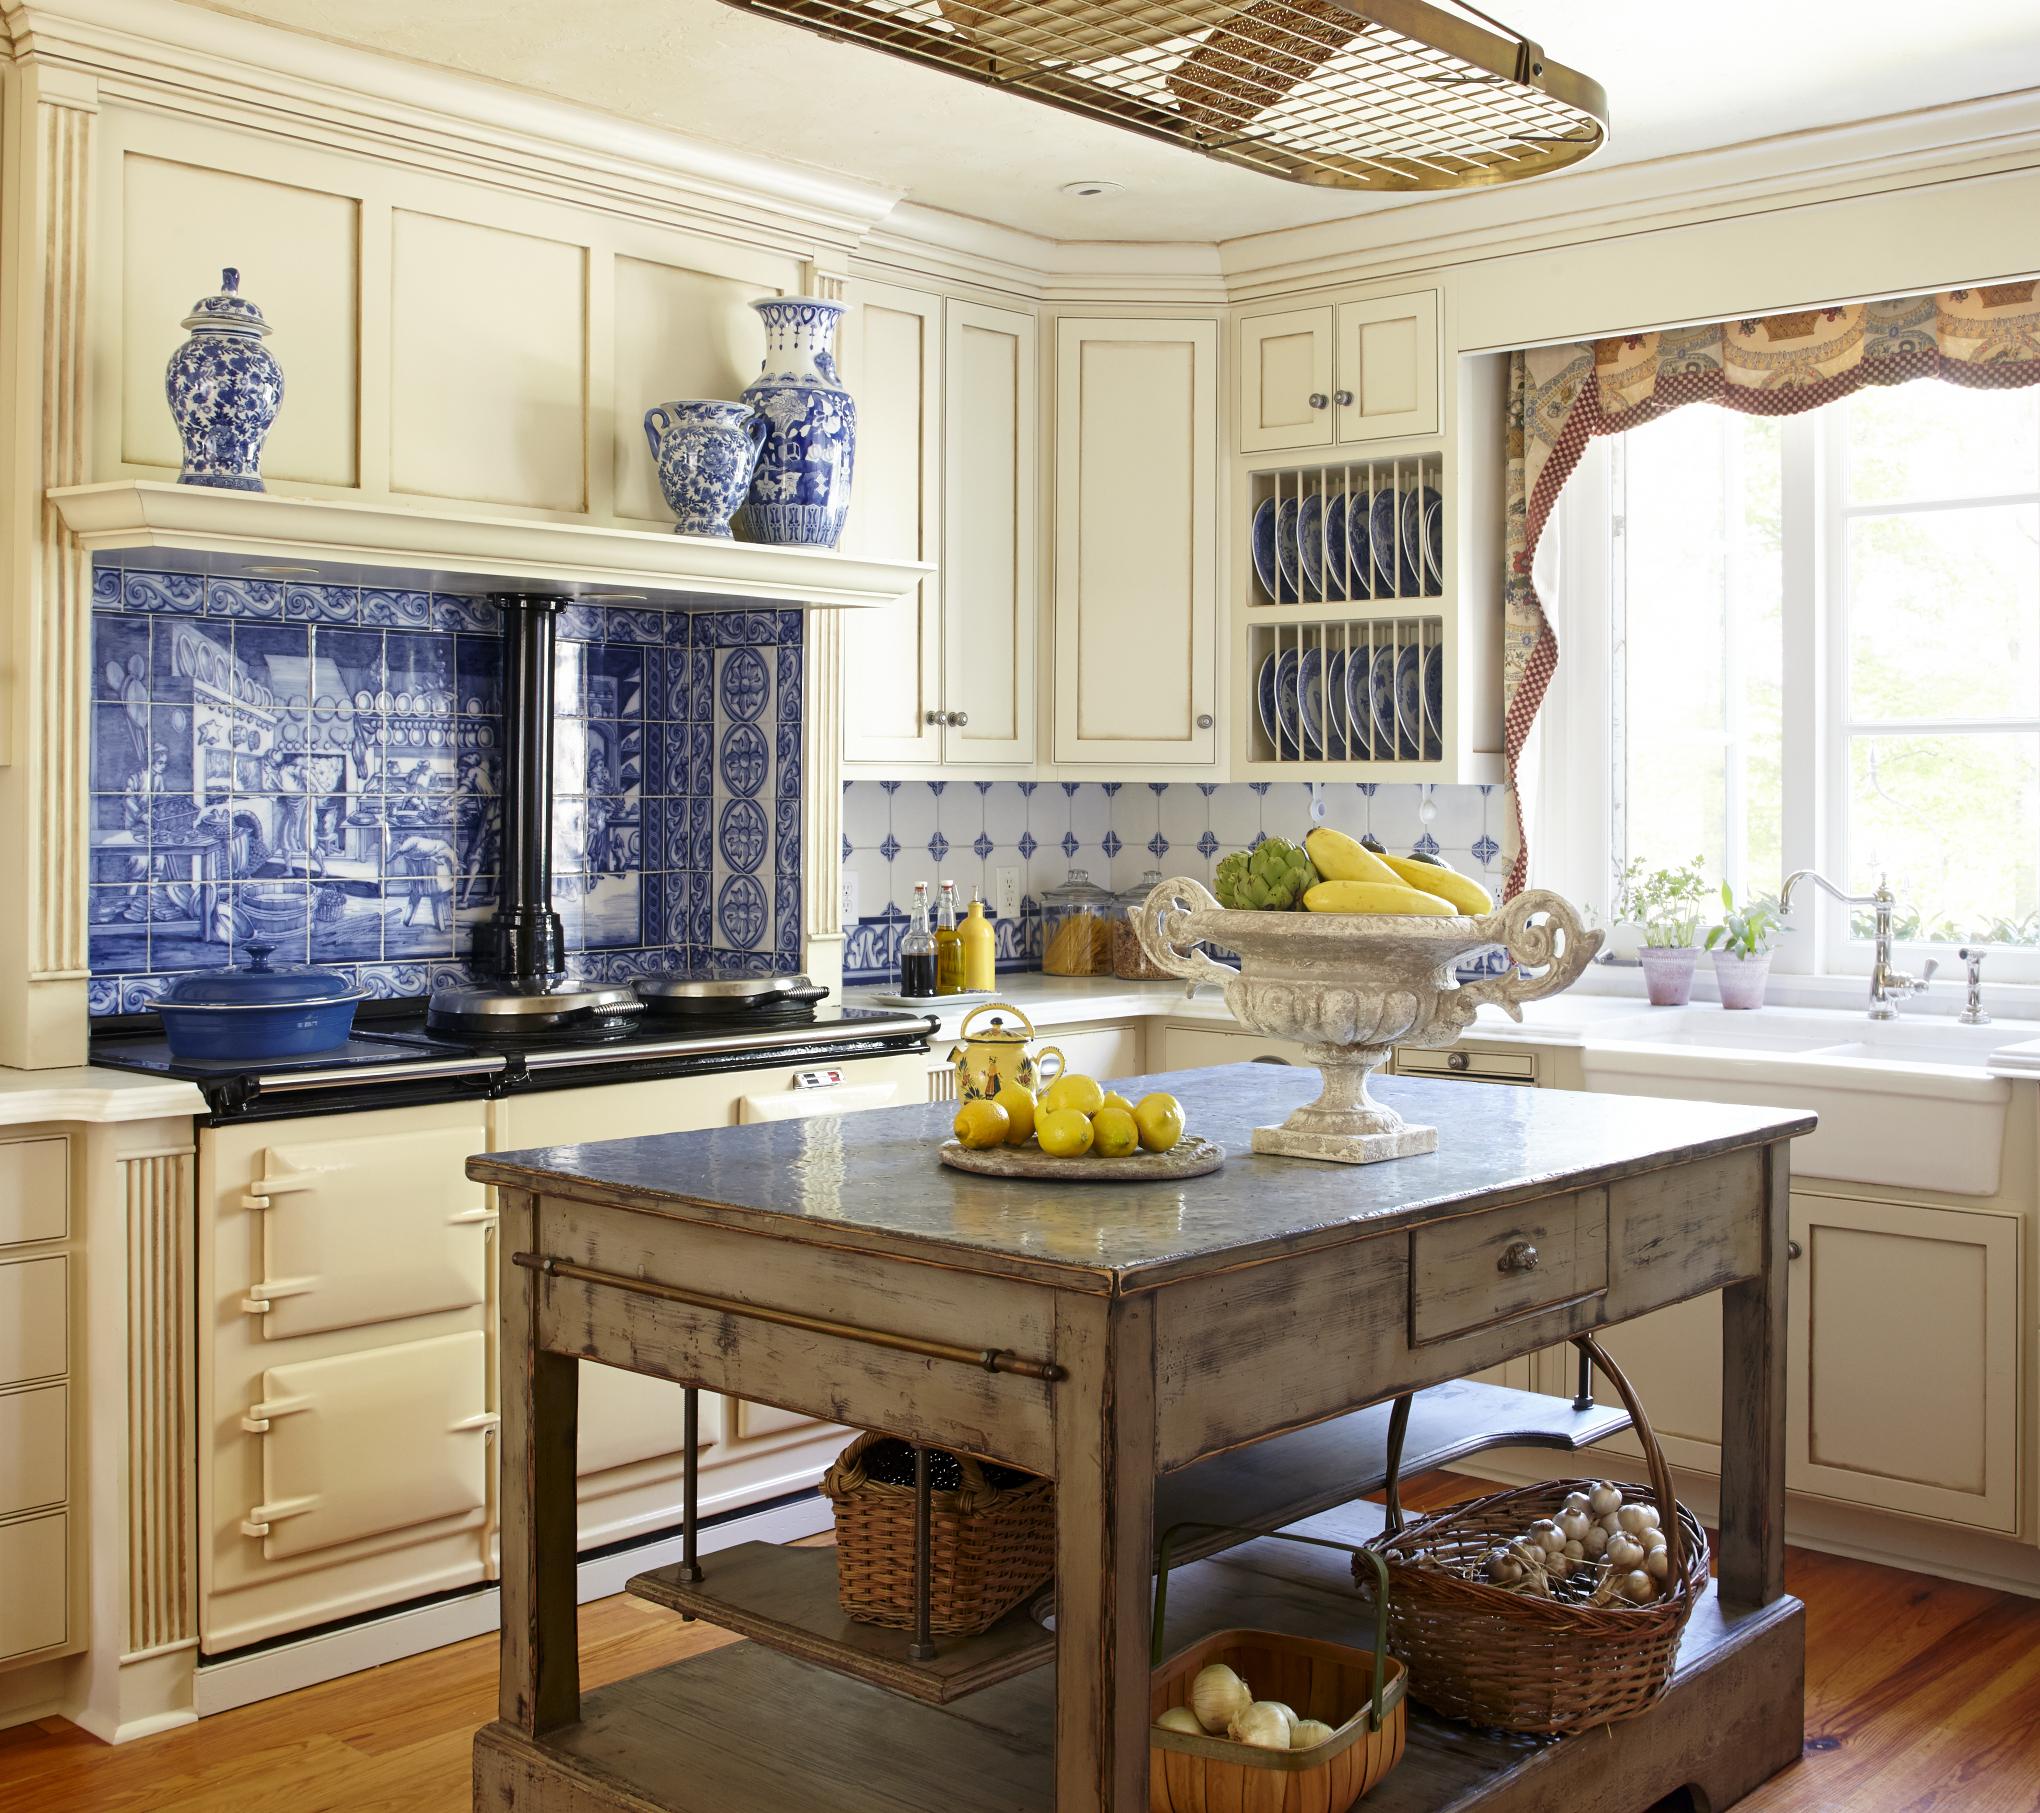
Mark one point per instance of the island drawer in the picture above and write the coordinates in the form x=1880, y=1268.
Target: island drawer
x=1476, y=1270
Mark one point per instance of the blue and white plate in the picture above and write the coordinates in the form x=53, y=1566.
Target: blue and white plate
x=1310, y=697
x=1381, y=703
x=1289, y=707
x=1264, y=698
x=1338, y=714
x=1434, y=547
x=1360, y=561
x=1381, y=534
x=1264, y=548
x=1409, y=702
x=1338, y=577
x=1285, y=547
x=1434, y=704
x=1310, y=547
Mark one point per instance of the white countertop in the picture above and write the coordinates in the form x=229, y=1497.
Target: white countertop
x=90, y=1095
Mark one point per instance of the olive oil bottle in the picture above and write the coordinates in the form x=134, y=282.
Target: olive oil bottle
x=948, y=945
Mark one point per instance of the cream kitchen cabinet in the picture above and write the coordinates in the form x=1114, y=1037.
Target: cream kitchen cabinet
x=1136, y=543
x=1330, y=374
x=1903, y=1359
x=947, y=470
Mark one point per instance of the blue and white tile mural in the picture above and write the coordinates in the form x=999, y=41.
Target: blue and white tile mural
x=319, y=768
x=896, y=833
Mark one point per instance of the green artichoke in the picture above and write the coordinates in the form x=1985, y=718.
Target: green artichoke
x=1271, y=877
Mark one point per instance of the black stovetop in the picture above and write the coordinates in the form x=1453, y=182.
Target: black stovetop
x=394, y=1060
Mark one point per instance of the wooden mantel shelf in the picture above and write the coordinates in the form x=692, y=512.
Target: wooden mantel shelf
x=253, y=534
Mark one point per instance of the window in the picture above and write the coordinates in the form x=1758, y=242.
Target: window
x=1823, y=650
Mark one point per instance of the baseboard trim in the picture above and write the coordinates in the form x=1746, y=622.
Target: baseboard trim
x=285, y=1667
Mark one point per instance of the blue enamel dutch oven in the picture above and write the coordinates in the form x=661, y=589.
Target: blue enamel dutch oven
x=257, y=1013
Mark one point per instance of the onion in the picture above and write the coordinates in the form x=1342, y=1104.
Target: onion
x=1309, y=1733
x=1216, y=1695
x=1180, y=1718
x=1264, y=1724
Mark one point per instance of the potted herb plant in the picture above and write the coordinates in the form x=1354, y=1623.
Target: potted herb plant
x=1664, y=905
x=1742, y=944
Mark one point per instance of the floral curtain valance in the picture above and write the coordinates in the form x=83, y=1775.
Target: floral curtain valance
x=1561, y=397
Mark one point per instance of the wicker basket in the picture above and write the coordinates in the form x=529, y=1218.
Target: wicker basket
x=989, y=1546
x=1519, y=1662
x=1360, y=1697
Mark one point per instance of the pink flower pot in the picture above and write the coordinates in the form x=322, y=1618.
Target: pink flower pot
x=1741, y=979
x=1668, y=973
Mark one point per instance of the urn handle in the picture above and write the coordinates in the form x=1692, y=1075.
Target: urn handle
x=657, y=413
x=757, y=427
x=1541, y=931
x=1161, y=924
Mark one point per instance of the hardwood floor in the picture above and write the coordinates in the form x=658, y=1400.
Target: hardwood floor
x=1922, y=1696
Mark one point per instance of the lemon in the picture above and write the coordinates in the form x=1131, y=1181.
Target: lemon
x=1113, y=1132
x=1160, y=1120
x=1018, y=1101
x=1079, y=1092
x=1113, y=1099
x=1064, y=1132
x=980, y=1124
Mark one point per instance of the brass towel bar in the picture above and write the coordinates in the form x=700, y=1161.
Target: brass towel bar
x=991, y=1359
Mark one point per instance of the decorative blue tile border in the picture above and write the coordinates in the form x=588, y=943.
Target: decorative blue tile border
x=319, y=768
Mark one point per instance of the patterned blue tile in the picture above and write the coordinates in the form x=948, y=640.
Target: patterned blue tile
x=1027, y=845
x=105, y=588
x=474, y=616
x=1426, y=845
x=396, y=610
x=1069, y=844
x=647, y=628
x=580, y=623
x=243, y=598
x=322, y=603
x=616, y=681
x=1206, y=845
x=478, y=675
x=1111, y=844
x=181, y=594
x=982, y=846
x=742, y=835
x=938, y=846
x=744, y=687
x=890, y=847
x=1158, y=845
x=1485, y=850
x=789, y=682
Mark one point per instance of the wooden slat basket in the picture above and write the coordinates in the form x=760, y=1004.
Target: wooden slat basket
x=991, y=1544
x=1521, y=1662
x=1360, y=1695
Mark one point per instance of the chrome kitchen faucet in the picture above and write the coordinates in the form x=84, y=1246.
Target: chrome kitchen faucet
x=1887, y=985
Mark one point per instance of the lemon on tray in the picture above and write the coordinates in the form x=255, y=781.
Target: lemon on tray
x=1064, y=1132
x=1159, y=1118
x=1018, y=1101
x=1081, y=1093
x=981, y=1124
x=1114, y=1132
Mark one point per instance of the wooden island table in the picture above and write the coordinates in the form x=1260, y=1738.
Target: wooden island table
x=1217, y=1350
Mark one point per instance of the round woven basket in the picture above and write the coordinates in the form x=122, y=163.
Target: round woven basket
x=1520, y=1661
x=989, y=1546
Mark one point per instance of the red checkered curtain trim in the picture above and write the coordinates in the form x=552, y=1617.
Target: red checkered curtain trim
x=1561, y=397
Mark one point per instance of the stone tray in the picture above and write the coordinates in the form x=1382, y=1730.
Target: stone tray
x=1190, y=1156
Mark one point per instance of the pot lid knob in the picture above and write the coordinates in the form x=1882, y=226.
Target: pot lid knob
x=227, y=312
x=258, y=955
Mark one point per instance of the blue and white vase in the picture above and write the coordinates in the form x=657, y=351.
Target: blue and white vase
x=225, y=388
x=706, y=450
x=800, y=492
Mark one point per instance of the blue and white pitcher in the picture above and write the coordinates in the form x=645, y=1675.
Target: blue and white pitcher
x=800, y=493
x=706, y=450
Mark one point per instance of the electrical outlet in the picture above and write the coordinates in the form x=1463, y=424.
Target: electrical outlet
x=1006, y=884
x=849, y=897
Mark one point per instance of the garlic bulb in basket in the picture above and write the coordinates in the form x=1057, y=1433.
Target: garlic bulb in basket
x=1547, y=1535
x=1657, y=1563
x=1638, y=1587
x=1217, y=1695
x=1573, y=1522
x=1262, y=1723
x=1594, y=1542
x=1603, y=1499
x=1624, y=1553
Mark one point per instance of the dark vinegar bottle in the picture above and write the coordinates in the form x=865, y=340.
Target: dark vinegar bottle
x=917, y=950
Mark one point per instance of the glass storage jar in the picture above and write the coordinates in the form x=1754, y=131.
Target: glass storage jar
x=1130, y=963
x=1076, y=928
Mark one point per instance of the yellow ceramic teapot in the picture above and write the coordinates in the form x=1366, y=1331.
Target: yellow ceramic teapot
x=987, y=1061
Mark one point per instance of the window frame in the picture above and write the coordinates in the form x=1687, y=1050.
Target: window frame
x=1578, y=829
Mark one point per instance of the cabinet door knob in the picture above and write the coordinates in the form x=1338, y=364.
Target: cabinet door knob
x=959, y=718
x=1318, y=399
x=1517, y=1256
x=1793, y=1250
x=1344, y=398
x=934, y=717
x=1205, y=720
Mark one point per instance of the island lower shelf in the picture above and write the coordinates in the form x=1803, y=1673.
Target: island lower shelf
x=785, y=1598
x=743, y=1728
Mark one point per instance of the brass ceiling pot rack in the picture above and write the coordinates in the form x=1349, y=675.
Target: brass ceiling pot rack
x=1389, y=95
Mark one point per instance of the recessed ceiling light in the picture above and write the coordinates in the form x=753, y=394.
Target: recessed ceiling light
x=283, y=572
x=1093, y=185
x=612, y=597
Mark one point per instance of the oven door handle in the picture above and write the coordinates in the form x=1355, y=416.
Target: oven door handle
x=260, y=1298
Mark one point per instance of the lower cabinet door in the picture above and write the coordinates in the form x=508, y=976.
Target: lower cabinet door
x=34, y=1585
x=371, y=1442
x=1904, y=1358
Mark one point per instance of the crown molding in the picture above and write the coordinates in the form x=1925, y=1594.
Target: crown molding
x=190, y=59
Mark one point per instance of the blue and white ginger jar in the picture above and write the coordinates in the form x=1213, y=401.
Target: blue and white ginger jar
x=705, y=449
x=800, y=492
x=225, y=388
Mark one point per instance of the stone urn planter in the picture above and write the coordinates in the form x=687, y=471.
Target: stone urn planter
x=1351, y=987
x=1741, y=979
x=1668, y=973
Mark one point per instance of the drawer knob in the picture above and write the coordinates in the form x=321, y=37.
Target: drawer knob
x=1457, y=1060
x=1793, y=1250
x=1318, y=400
x=1517, y=1256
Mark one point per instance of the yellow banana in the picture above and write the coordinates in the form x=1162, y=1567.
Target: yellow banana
x=1338, y=857
x=1374, y=897
x=1465, y=894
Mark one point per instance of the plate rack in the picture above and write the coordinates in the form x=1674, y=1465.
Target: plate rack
x=1368, y=532
x=1349, y=691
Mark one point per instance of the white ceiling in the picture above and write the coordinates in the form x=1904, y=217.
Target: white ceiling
x=1719, y=75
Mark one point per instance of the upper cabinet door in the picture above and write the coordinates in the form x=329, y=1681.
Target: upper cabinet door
x=1286, y=380
x=892, y=658
x=1387, y=367
x=990, y=515
x=1136, y=596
